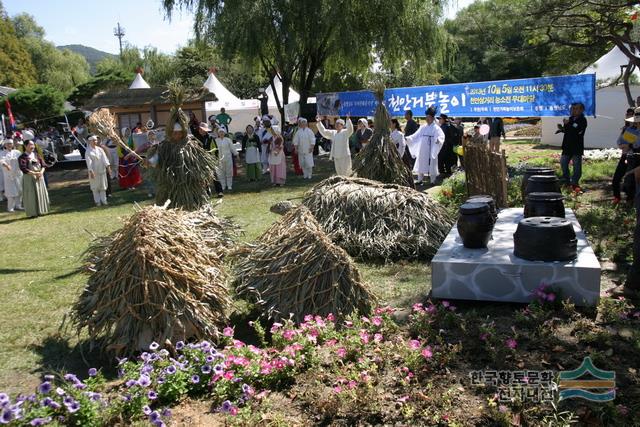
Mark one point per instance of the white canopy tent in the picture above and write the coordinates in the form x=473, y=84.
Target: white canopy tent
x=611, y=104
x=139, y=82
x=242, y=111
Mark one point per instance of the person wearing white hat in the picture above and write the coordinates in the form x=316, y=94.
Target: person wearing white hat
x=226, y=153
x=12, y=176
x=340, y=152
x=304, y=140
x=98, y=167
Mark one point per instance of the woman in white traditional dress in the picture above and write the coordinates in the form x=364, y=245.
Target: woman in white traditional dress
x=304, y=140
x=34, y=190
x=251, y=143
x=398, y=137
x=12, y=176
x=98, y=166
x=339, y=137
x=226, y=153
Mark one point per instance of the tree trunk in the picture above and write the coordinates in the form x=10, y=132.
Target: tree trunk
x=286, y=86
x=628, y=71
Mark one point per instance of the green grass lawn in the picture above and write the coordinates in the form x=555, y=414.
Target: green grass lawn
x=40, y=281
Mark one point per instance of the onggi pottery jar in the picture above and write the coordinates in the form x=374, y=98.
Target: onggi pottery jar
x=475, y=225
x=545, y=239
x=544, y=204
x=483, y=198
x=529, y=172
x=543, y=184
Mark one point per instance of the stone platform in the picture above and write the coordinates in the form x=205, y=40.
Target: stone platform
x=496, y=274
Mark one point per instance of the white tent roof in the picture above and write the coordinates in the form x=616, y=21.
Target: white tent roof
x=293, y=95
x=607, y=68
x=223, y=94
x=139, y=83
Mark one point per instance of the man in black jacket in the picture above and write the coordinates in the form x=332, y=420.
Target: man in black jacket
x=447, y=158
x=410, y=128
x=573, y=145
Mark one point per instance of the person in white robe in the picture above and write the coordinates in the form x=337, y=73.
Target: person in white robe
x=2, y=154
x=340, y=152
x=266, y=134
x=98, y=166
x=304, y=140
x=12, y=176
x=425, y=145
x=226, y=153
x=397, y=137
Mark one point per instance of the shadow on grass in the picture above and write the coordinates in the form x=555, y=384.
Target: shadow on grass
x=18, y=270
x=57, y=355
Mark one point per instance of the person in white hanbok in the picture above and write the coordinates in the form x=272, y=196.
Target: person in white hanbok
x=2, y=154
x=340, y=152
x=98, y=166
x=12, y=176
x=397, y=137
x=226, y=153
x=304, y=140
x=425, y=145
x=266, y=135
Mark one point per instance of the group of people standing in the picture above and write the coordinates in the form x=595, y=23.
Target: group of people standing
x=23, y=183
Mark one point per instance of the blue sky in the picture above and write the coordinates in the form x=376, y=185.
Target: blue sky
x=91, y=22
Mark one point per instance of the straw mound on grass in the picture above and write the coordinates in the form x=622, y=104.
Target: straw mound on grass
x=218, y=233
x=155, y=279
x=294, y=268
x=378, y=221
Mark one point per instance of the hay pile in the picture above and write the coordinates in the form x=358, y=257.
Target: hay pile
x=380, y=160
x=295, y=268
x=155, y=279
x=374, y=221
x=218, y=234
x=185, y=171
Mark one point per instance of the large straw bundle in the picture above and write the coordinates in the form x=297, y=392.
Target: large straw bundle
x=380, y=160
x=185, y=171
x=378, y=221
x=152, y=280
x=295, y=268
x=103, y=123
x=219, y=234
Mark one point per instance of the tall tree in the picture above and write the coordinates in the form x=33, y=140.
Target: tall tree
x=16, y=68
x=61, y=69
x=587, y=25
x=35, y=103
x=298, y=39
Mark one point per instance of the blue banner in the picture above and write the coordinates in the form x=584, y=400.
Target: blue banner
x=535, y=97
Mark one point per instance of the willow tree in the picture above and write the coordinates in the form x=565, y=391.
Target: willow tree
x=298, y=38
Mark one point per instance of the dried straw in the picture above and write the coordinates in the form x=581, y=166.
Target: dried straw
x=380, y=160
x=155, y=279
x=374, y=221
x=103, y=123
x=294, y=269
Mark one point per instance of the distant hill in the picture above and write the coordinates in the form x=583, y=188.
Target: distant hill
x=93, y=56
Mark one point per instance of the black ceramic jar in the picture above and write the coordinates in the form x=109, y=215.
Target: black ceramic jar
x=529, y=172
x=475, y=225
x=543, y=184
x=545, y=239
x=484, y=198
x=544, y=204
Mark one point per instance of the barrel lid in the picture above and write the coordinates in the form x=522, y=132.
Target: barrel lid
x=472, y=208
x=543, y=178
x=538, y=169
x=546, y=222
x=551, y=196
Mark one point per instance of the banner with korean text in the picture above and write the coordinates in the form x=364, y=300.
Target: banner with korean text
x=534, y=97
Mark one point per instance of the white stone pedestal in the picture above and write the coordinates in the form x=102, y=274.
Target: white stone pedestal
x=496, y=274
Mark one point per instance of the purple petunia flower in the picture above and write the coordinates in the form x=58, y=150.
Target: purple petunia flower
x=53, y=404
x=144, y=381
x=152, y=395
x=71, y=378
x=146, y=409
x=7, y=416
x=126, y=397
x=166, y=412
x=44, y=388
x=60, y=392
x=226, y=406
x=210, y=359
x=171, y=369
x=154, y=346
x=68, y=400
x=195, y=379
x=206, y=369
x=80, y=386
x=131, y=383
x=179, y=345
x=40, y=421
x=4, y=398
x=164, y=353
x=74, y=407
x=146, y=369
x=93, y=372
x=161, y=380
x=218, y=369
x=154, y=416
x=159, y=423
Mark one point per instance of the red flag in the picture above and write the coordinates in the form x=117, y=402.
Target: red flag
x=12, y=121
x=634, y=16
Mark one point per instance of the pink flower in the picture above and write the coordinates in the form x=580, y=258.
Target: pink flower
x=364, y=377
x=403, y=399
x=511, y=343
x=308, y=318
x=551, y=297
x=331, y=317
x=377, y=320
x=331, y=342
x=337, y=389
x=418, y=307
x=289, y=334
x=320, y=322
x=502, y=408
x=228, y=332
x=348, y=323
x=341, y=352
x=238, y=344
x=446, y=304
x=431, y=309
x=228, y=375
x=414, y=344
x=484, y=336
x=275, y=327
x=378, y=338
x=352, y=384
x=233, y=410
x=312, y=338
x=427, y=353
x=364, y=336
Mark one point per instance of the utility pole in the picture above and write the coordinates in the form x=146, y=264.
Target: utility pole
x=119, y=33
